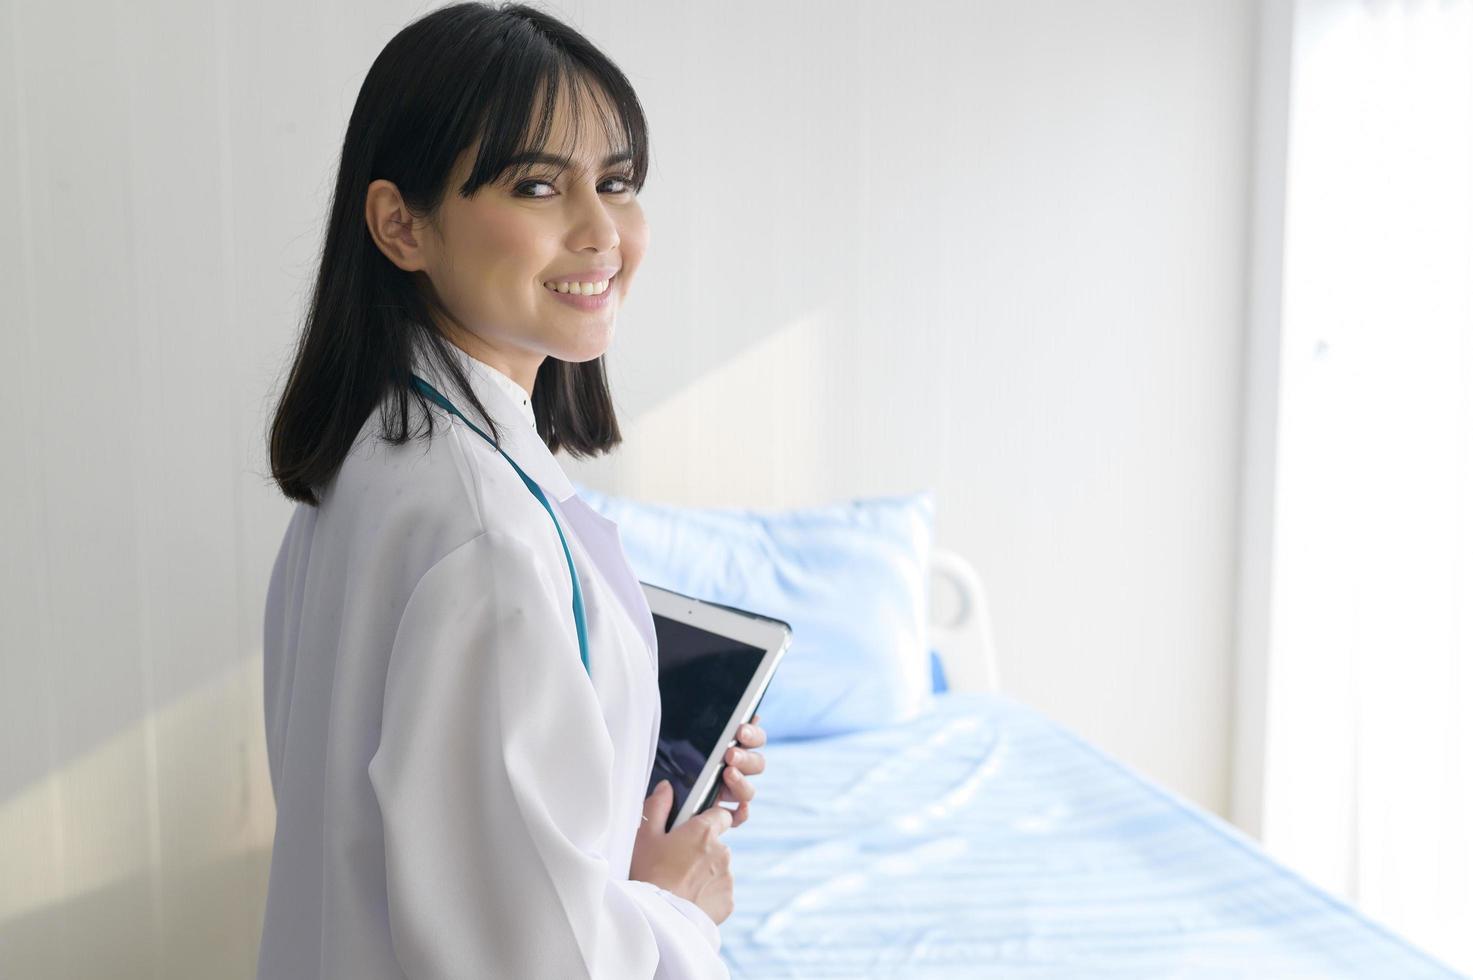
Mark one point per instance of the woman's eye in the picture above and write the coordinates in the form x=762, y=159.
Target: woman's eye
x=525, y=190
x=522, y=188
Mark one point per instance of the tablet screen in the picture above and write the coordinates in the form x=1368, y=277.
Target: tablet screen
x=702, y=679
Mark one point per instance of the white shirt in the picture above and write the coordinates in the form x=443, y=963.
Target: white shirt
x=454, y=797
x=514, y=391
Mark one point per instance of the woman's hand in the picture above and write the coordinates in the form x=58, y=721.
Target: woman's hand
x=742, y=762
x=691, y=861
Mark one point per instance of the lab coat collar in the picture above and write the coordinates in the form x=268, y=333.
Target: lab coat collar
x=599, y=534
x=600, y=538
x=515, y=392
x=518, y=436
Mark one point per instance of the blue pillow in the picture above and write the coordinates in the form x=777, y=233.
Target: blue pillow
x=939, y=684
x=851, y=579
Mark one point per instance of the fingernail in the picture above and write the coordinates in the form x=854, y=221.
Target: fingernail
x=746, y=731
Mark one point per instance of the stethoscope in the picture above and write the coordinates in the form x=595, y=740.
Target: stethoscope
x=429, y=391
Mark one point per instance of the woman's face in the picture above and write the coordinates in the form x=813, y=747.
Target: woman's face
x=491, y=256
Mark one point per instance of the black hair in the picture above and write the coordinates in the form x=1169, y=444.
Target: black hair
x=462, y=75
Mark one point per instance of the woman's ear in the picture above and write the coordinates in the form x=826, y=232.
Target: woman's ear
x=392, y=227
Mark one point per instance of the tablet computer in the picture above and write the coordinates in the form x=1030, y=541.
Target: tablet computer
x=715, y=664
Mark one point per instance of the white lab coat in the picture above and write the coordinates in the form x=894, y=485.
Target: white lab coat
x=454, y=797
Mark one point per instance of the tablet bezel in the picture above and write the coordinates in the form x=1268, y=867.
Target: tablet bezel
x=771, y=636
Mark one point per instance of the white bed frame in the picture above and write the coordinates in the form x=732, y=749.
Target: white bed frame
x=961, y=623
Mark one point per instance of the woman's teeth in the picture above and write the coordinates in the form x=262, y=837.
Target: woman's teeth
x=578, y=288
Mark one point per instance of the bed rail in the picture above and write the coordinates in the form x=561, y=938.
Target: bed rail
x=961, y=623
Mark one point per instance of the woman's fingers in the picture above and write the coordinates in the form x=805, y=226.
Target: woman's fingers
x=740, y=786
x=743, y=808
x=742, y=762
x=751, y=734
x=739, y=814
x=749, y=762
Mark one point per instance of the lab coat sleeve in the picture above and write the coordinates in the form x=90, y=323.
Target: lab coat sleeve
x=492, y=776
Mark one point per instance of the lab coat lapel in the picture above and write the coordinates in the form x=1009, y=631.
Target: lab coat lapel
x=518, y=439
x=600, y=537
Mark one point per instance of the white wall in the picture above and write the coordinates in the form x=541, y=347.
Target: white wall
x=996, y=249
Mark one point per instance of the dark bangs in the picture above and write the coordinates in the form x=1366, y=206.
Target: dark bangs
x=468, y=75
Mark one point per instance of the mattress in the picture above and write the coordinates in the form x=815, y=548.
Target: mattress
x=983, y=839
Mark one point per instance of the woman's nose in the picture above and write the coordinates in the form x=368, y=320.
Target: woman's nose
x=593, y=225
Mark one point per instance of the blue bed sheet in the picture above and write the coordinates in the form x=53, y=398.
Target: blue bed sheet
x=984, y=840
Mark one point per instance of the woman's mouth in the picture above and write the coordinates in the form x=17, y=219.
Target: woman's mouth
x=583, y=295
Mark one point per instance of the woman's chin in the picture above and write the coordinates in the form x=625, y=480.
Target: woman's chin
x=593, y=344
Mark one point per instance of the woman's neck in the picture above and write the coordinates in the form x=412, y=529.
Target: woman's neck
x=521, y=369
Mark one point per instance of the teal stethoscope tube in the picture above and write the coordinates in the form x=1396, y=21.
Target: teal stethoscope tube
x=429, y=391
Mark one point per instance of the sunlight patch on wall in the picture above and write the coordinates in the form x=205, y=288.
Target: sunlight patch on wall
x=757, y=431
x=114, y=813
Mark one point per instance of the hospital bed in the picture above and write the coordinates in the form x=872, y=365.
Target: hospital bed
x=983, y=839
x=961, y=832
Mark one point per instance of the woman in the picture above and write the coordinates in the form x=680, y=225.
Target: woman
x=458, y=793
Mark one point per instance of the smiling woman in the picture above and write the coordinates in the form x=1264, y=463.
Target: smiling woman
x=487, y=258
x=460, y=767
x=490, y=153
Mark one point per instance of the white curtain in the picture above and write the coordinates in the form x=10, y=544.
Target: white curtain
x=1368, y=758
